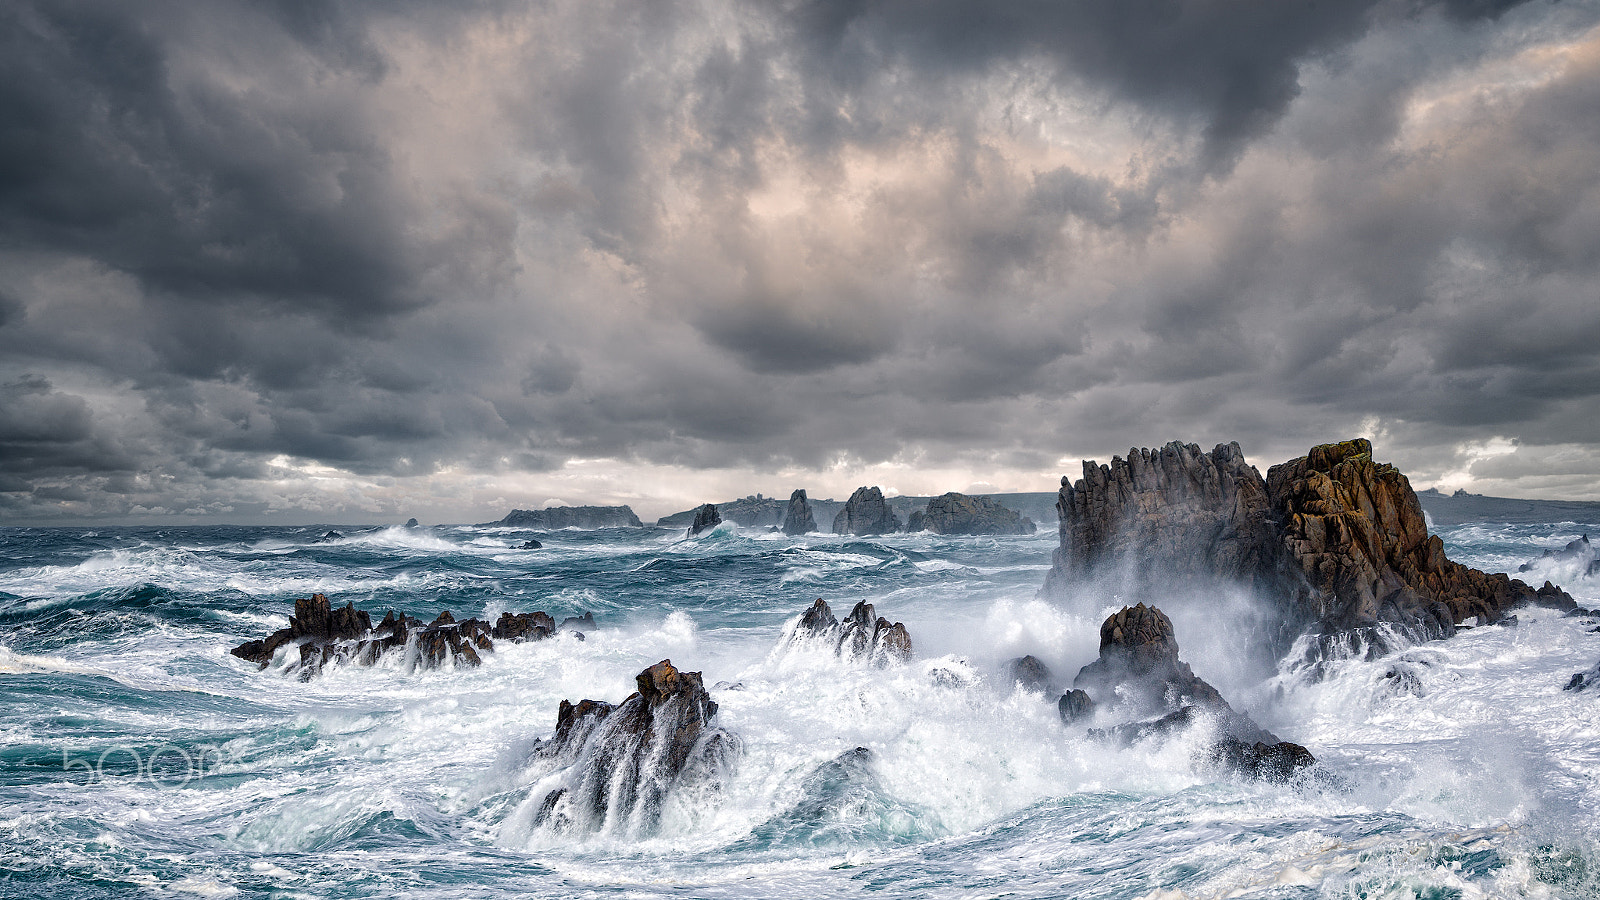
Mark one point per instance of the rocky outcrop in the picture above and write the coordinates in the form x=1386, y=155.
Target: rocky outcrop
x=797, y=518
x=706, y=517
x=531, y=544
x=866, y=513
x=862, y=635
x=616, y=764
x=571, y=517
x=1140, y=674
x=955, y=513
x=320, y=634
x=1335, y=541
x=1031, y=674
x=1577, y=558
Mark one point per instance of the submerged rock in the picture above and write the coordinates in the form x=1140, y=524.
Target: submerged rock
x=1139, y=673
x=617, y=764
x=1582, y=681
x=328, y=537
x=531, y=544
x=323, y=634
x=956, y=513
x=705, y=517
x=798, y=519
x=1336, y=542
x=866, y=513
x=862, y=635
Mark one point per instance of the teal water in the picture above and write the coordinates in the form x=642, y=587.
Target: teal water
x=138, y=758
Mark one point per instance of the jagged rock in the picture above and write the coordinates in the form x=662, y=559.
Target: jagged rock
x=531, y=544
x=1139, y=669
x=798, y=518
x=866, y=513
x=1139, y=659
x=323, y=634
x=520, y=627
x=581, y=623
x=705, y=517
x=1339, y=543
x=1582, y=681
x=862, y=635
x=955, y=513
x=620, y=762
x=556, y=517
x=1074, y=706
x=1031, y=673
x=1578, y=554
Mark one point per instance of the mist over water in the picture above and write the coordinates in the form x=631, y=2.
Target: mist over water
x=138, y=758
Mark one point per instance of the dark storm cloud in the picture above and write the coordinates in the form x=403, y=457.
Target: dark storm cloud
x=413, y=242
x=1232, y=69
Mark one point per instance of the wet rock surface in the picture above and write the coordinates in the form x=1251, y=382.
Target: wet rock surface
x=1031, y=674
x=617, y=764
x=797, y=517
x=866, y=513
x=321, y=633
x=1336, y=542
x=956, y=513
x=705, y=517
x=1139, y=674
x=862, y=635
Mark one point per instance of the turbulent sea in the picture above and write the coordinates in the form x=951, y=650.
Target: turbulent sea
x=139, y=759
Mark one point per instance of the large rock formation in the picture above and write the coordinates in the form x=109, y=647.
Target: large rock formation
x=321, y=634
x=866, y=513
x=1139, y=674
x=1336, y=541
x=955, y=513
x=798, y=519
x=705, y=517
x=616, y=764
x=862, y=635
x=571, y=517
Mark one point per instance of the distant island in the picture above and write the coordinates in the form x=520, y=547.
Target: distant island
x=1459, y=508
x=555, y=517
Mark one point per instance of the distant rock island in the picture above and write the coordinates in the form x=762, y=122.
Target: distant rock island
x=955, y=513
x=1461, y=508
x=754, y=511
x=555, y=517
x=1336, y=541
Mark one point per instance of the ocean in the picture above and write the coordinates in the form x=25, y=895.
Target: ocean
x=139, y=759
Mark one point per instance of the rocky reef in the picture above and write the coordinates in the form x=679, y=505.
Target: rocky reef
x=797, y=517
x=862, y=635
x=1139, y=674
x=571, y=517
x=321, y=634
x=705, y=518
x=1333, y=540
x=615, y=765
x=866, y=513
x=956, y=513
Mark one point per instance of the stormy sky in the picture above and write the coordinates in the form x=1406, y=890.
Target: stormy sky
x=301, y=261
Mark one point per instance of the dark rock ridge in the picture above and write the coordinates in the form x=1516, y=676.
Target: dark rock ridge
x=1578, y=553
x=705, y=517
x=797, y=518
x=866, y=513
x=1335, y=540
x=754, y=511
x=862, y=635
x=571, y=517
x=955, y=513
x=1139, y=672
x=321, y=634
x=616, y=764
